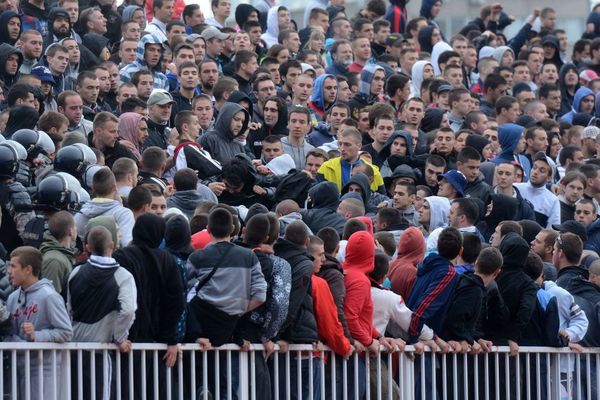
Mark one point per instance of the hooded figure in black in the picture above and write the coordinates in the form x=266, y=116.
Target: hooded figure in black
x=5, y=34
x=477, y=142
x=362, y=181
x=432, y=119
x=517, y=290
x=324, y=198
x=425, y=38
x=64, y=29
x=567, y=91
x=20, y=117
x=160, y=301
x=503, y=208
x=178, y=242
x=242, y=12
x=552, y=41
x=240, y=174
x=393, y=161
x=158, y=282
x=8, y=73
x=255, y=138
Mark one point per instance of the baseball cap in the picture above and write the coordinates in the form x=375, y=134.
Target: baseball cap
x=43, y=73
x=160, y=97
x=444, y=88
x=456, y=179
x=588, y=75
x=572, y=227
x=590, y=132
x=211, y=32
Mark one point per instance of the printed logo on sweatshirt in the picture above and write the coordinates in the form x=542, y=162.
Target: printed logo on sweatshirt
x=26, y=312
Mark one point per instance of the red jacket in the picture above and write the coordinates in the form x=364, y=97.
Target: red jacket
x=328, y=325
x=403, y=270
x=358, y=304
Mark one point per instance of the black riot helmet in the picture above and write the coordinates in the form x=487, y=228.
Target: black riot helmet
x=9, y=162
x=53, y=194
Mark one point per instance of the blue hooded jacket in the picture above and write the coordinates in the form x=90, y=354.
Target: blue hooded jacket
x=321, y=135
x=509, y=136
x=317, y=101
x=579, y=95
x=431, y=294
x=593, y=233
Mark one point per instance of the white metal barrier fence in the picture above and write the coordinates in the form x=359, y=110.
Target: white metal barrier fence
x=99, y=371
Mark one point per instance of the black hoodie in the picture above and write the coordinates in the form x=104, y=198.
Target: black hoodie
x=505, y=208
x=516, y=288
x=255, y=138
x=220, y=142
x=325, y=198
x=361, y=180
x=158, y=282
x=587, y=296
x=552, y=40
x=7, y=50
x=300, y=325
x=4, y=18
x=463, y=313
x=53, y=37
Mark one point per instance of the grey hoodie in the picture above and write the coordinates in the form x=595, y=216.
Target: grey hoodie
x=43, y=307
x=187, y=200
x=107, y=207
x=220, y=142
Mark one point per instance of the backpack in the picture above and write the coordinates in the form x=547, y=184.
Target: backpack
x=198, y=159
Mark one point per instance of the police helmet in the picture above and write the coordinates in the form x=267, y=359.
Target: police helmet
x=53, y=194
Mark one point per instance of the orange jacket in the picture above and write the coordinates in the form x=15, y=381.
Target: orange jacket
x=328, y=325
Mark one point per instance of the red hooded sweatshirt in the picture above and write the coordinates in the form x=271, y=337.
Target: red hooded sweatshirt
x=329, y=326
x=358, y=304
x=403, y=270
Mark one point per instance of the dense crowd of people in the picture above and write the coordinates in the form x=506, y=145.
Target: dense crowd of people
x=361, y=181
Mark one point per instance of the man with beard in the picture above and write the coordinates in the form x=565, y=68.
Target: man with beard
x=188, y=81
x=31, y=45
x=274, y=123
x=209, y=73
x=202, y=107
x=10, y=22
x=545, y=204
x=59, y=26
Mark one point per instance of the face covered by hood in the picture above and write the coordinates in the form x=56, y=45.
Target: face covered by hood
x=385, y=150
x=439, y=208
x=426, y=7
x=361, y=180
x=95, y=43
x=366, y=77
x=509, y=136
x=317, y=97
x=4, y=18
x=498, y=53
x=148, y=231
x=514, y=251
x=129, y=11
x=425, y=38
x=141, y=50
x=417, y=77
x=6, y=50
x=411, y=247
x=237, y=96
x=504, y=209
x=242, y=12
x=360, y=253
x=551, y=40
x=563, y=73
x=324, y=195
x=59, y=12
x=222, y=125
x=273, y=21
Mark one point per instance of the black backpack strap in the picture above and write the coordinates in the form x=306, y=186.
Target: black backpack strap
x=210, y=275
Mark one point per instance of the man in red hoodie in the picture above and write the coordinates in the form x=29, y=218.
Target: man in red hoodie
x=358, y=305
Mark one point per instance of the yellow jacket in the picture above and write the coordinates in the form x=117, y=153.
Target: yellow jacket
x=332, y=172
